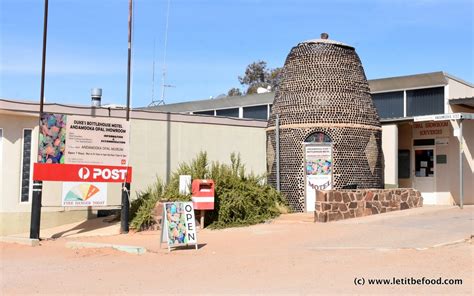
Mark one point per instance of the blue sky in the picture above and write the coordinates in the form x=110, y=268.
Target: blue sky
x=211, y=41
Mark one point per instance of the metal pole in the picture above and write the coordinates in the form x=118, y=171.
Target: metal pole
x=461, y=157
x=38, y=185
x=124, y=215
x=277, y=142
x=43, y=63
x=36, y=210
x=129, y=62
x=125, y=211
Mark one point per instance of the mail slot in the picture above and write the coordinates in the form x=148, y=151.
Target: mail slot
x=203, y=194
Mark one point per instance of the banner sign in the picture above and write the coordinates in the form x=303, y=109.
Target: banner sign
x=178, y=224
x=81, y=173
x=72, y=139
x=81, y=194
x=318, y=171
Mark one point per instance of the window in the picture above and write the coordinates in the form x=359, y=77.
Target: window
x=389, y=105
x=210, y=112
x=424, y=142
x=404, y=164
x=256, y=112
x=425, y=101
x=318, y=137
x=234, y=112
x=26, y=166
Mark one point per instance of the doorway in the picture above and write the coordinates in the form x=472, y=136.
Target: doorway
x=425, y=172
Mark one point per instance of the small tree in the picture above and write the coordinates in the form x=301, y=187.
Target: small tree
x=258, y=75
x=234, y=92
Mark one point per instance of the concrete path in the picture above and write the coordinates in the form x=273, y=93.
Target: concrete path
x=86, y=228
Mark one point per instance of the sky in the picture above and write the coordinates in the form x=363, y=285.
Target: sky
x=210, y=43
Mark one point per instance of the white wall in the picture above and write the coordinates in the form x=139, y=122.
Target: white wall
x=390, y=152
x=158, y=147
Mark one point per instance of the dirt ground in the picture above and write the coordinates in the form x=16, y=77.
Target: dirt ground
x=287, y=256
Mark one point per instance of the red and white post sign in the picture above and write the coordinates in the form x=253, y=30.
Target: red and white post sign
x=81, y=173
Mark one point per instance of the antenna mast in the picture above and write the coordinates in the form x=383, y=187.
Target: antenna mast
x=163, y=77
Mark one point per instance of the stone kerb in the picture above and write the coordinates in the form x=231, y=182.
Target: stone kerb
x=333, y=205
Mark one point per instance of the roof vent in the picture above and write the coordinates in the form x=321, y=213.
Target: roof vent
x=324, y=35
x=96, y=96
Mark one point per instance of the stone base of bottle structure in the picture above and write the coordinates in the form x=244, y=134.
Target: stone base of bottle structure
x=333, y=205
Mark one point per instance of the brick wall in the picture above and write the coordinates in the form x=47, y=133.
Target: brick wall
x=332, y=205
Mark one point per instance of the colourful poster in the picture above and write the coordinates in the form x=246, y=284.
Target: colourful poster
x=52, y=138
x=84, y=194
x=318, y=171
x=73, y=139
x=179, y=227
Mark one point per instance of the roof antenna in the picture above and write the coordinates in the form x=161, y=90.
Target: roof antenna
x=161, y=101
x=153, y=102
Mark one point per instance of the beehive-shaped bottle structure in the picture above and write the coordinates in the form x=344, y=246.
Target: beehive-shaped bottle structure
x=324, y=96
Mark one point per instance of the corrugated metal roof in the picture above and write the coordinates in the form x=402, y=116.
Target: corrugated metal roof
x=219, y=103
x=376, y=85
x=407, y=82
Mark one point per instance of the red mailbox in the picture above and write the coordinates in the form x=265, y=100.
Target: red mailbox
x=203, y=194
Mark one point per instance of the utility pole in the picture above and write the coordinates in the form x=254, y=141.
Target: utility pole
x=125, y=212
x=38, y=185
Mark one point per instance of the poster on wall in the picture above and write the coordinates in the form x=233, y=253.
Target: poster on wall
x=84, y=194
x=72, y=139
x=178, y=224
x=318, y=171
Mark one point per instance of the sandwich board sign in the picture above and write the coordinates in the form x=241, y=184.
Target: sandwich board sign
x=178, y=227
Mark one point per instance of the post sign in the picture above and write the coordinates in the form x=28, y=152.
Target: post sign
x=178, y=224
x=81, y=148
x=82, y=173
x=318, y=171
x=82, y=194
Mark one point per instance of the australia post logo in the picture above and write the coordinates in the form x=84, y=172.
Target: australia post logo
x=102, y=174
x=81, y=173
x=84, y=173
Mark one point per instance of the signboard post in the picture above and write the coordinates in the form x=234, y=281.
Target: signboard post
x=318, y=171
x=38, y=184
x=77, y=149
x=178, y=227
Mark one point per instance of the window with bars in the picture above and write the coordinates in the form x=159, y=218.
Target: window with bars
x=26, y=166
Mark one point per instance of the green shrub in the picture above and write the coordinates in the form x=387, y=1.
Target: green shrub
x=240, y=199
x=141, y=209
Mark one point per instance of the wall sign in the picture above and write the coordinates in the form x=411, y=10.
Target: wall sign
x=83, y=194
x=318, y=171
x=430, y=129
x=178, y=226
x=75, y=139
